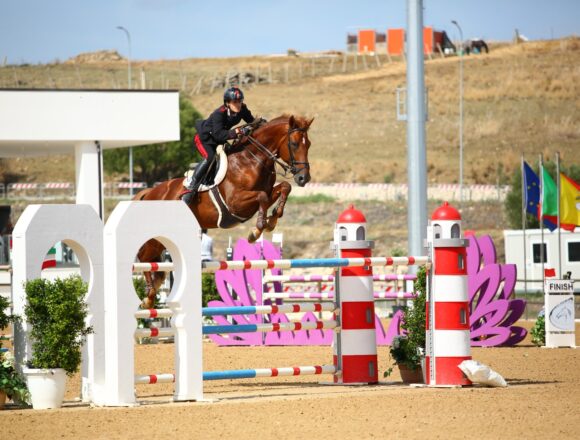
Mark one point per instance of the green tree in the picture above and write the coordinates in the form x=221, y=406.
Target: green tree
x=157, y=162
x=513, y=201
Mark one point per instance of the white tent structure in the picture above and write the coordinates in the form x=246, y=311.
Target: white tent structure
x=84, y=122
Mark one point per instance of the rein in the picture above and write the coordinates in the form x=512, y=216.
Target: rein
x=291, y=147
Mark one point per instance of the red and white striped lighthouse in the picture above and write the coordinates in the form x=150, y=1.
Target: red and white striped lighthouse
x=355, y=346
x=447, y=310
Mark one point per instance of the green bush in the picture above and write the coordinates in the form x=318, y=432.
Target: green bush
x=409, y=349
x=155, y=162
x=539, y=331
x=314, y=198
x=56, y=311
x=11, y=382
x=209, y=290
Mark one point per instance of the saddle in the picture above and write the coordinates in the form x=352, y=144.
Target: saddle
x=216, y=173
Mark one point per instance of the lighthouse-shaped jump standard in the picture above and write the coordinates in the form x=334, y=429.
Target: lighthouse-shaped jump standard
x=355, y=347
x=447, y=309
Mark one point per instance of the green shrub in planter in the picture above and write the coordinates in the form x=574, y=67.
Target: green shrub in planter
x=11, y=382
x=409, y=349
x=539, y=330
x=56, y=311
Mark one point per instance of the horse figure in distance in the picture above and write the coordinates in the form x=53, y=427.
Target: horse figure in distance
x=249, y=186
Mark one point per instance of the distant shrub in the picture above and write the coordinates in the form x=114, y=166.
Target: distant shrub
x=315, y=198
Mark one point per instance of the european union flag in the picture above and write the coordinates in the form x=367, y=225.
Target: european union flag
x=532, y=193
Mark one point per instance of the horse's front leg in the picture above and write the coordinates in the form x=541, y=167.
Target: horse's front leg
x=264, y=203
x=281, y=192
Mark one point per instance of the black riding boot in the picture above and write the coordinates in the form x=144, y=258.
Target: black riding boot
x=198, y=175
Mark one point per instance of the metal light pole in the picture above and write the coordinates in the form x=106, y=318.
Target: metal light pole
x=121, y=28
x=460, y=111
x=416, y=115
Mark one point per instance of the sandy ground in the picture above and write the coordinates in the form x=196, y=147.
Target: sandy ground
x=542, y=401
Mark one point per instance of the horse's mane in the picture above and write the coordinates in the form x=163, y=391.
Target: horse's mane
x=283, y=119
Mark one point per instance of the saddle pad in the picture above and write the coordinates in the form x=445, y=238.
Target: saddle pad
x=222, y=170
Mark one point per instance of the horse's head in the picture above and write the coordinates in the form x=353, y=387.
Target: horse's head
x=295, y=152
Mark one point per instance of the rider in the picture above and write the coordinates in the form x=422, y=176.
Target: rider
x=216, y=130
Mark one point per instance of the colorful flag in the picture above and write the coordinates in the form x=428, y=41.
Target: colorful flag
x=532, y=195
x=549, y=205
x=569, y=203
x=549, y=273
x=50, y=259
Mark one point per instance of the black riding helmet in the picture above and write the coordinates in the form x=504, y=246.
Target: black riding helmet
x=233, y=93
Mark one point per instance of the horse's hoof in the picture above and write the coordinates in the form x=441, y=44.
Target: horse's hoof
x=254, y=235
x=147, y=303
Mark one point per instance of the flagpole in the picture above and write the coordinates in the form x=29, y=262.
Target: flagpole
x=542, y=218
x=559, y=229
x=524, y=192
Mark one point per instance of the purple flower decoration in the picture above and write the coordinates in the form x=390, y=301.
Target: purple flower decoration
x=491, y=287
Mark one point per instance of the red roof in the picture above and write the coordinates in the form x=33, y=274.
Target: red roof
x=446, y=212
x=351, y=215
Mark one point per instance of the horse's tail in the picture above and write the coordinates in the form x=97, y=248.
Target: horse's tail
x=142, y=194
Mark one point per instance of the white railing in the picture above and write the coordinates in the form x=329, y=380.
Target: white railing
x=394, y=191
x=339, y=191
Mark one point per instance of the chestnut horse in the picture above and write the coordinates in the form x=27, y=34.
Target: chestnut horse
x=249, y=186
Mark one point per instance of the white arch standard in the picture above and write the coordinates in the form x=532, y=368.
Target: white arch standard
x=37, y=230
x=130, y=225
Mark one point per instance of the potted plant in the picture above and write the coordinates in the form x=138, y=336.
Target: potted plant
x=408, y=350
x=56, y=312
x=539, y=330
x=12, y=384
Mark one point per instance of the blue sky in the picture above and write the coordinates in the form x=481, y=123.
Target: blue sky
x=39, y=31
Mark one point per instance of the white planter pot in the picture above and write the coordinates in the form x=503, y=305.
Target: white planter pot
x=46, y=387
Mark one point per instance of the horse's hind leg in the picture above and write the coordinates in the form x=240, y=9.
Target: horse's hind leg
x=280, y=192
x=151, y=252
x=149, y=300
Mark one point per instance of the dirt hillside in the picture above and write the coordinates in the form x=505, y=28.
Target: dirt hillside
x=522, y=98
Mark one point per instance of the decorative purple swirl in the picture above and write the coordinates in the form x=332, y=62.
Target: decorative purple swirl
x=491, y=287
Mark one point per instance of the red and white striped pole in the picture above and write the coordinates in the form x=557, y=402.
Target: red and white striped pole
x=448, y=340
x=355, y=346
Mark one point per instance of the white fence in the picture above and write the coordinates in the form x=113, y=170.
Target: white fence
x=33, y=190
x=392, y=191
x=339, y=191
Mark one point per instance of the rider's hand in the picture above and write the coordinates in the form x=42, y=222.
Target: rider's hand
x=243, y=131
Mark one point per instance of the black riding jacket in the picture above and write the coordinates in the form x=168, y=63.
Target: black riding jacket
x=217, y=128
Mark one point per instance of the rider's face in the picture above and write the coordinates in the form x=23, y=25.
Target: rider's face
x=235, y=105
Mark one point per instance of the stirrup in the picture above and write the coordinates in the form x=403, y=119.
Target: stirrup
x=188, y=196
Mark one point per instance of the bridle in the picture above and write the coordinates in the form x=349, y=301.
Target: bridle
x=292, y=146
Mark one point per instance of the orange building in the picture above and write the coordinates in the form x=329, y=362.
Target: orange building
x=431, y=38
x=395, y=41
x=366, y=40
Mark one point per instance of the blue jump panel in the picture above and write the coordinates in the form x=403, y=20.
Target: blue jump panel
x=231, y=374
x=220, y=311
x=224, y=329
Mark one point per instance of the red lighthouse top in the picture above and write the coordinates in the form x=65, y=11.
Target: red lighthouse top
x=446, y=212
x=351, y=215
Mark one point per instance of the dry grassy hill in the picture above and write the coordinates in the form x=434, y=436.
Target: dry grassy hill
x=523, y=98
